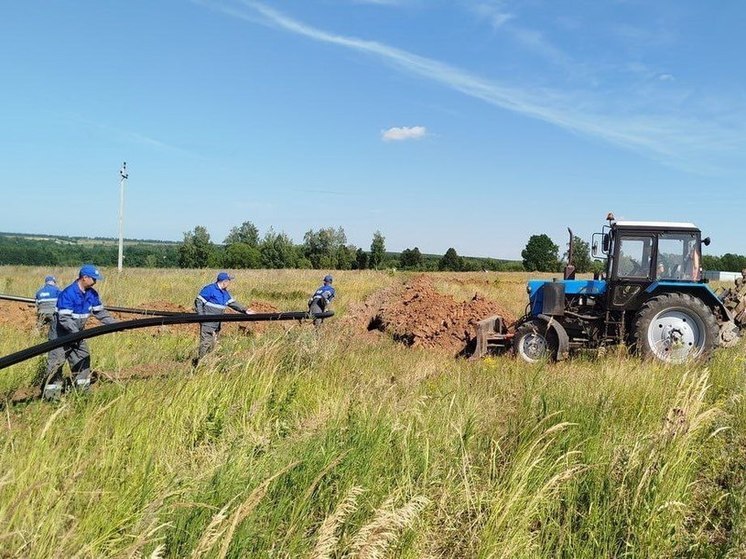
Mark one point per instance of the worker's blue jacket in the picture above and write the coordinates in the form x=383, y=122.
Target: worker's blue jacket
x=46, y=298
x=74, y=306
x=323, y=296
x=213, y=300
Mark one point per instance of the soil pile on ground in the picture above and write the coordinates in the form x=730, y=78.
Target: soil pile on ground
x=18, y=315
x=422, y=317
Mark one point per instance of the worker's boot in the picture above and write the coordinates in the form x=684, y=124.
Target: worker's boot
x=82, y=385
x=52, y=391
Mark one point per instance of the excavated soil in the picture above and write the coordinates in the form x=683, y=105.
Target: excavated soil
x=20, y=315
x=420, y=316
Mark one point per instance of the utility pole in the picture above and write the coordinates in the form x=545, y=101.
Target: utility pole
x=122, y=179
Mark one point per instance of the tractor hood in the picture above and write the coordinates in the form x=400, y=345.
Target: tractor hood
x=572, y=287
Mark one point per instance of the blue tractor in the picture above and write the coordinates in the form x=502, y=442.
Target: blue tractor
x=651, y=297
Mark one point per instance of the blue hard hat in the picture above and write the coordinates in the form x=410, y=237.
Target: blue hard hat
x=328, y=279
x=50, y=278
x=222, y=276
x=91, y=271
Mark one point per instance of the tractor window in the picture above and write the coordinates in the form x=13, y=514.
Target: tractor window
x=634, y=257
x=678, y=257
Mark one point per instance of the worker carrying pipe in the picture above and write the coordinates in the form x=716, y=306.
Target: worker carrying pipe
x=75, y=304
x=214, y=298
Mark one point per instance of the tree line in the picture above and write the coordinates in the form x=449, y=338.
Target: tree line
x=325, y=248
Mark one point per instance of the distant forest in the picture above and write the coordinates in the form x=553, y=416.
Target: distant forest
x=326, y=248
x=243, y=248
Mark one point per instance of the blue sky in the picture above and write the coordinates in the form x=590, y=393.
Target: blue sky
x=465, y=124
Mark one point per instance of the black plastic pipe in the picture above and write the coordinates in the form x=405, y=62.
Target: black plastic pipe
x=182, y=318
x=145, y=312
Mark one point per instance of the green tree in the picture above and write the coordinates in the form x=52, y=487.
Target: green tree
x=451, y=261
x=325, y=247
x=361, y=259
x=196, y=249
x=540, y=254
x=410, y=259
x=732, y=262
x=581, y=256
x=377, y=250
x=246, y=233
x=242, y=255
x=711, y=262
x=278, y=251
x=345, y=257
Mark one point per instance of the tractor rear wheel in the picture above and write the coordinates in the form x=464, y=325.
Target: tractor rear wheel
x=674, y=328
x=533, y=343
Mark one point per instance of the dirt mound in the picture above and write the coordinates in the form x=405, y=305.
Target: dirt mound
x=420, y=316
x=18, y=315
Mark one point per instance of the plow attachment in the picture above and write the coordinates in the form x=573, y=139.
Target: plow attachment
x=492, y=335
x=734, y=300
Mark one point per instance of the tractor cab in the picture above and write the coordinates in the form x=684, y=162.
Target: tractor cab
x=642, y=256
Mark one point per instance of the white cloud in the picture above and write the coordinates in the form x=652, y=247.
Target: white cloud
x=493, y=13
x=400, y=133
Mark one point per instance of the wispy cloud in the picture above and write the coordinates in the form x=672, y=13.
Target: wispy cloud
x=494, y=13
x=675, y=138
x=400, y=133
x=135, y=137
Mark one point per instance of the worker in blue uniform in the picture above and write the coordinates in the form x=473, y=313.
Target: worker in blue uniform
x=46, y=303
x=75, y=304
x=214, y=298
x=321, y=299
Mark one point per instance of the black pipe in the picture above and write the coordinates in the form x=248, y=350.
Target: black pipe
x=183, y=318
x=125, y=310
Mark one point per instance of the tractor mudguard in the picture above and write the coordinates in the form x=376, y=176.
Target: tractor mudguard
x=700, y=290
x=563, y=340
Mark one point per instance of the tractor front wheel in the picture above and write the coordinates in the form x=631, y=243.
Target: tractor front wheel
x=532, y=342
x=674, y=328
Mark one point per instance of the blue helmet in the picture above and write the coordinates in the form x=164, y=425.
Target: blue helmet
x=91, y=271
x=328, y=279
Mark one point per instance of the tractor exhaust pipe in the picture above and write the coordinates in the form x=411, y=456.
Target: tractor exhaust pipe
x=570, y=268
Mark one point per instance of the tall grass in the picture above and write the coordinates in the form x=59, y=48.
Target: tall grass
x=330, y=443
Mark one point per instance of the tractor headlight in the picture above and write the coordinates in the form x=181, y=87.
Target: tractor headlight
x=528, y=289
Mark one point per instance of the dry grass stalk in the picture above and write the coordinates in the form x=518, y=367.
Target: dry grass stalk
x=213, y=531
x=247, y=507
x=373, y=539
x=327, y=538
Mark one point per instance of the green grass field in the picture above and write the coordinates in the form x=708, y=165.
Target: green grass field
x=340, y=443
